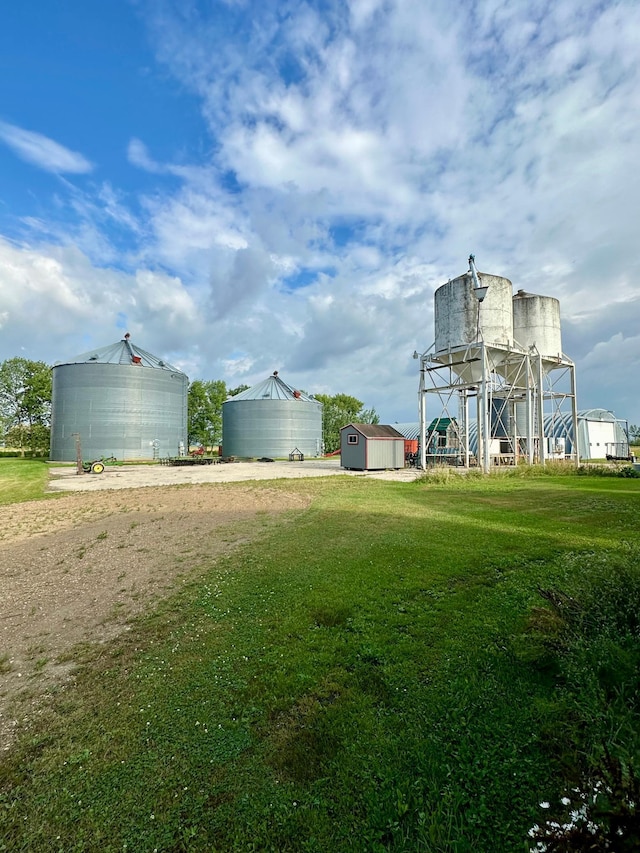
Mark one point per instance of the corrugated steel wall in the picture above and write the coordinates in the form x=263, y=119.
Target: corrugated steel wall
x=385, y=453
x=119, y=410
x=273, y=428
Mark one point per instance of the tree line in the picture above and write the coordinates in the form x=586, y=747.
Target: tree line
x=25, y=403
x=25, y=408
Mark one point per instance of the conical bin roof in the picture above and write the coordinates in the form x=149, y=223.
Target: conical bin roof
x=273, y=388
x=122, y=352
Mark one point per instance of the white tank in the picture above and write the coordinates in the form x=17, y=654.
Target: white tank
x=536, y=322
x=459, y=316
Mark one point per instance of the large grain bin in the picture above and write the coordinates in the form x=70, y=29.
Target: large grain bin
x=271, y=419
x=121, y=401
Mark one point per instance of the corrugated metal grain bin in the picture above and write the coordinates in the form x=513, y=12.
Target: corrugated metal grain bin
x=371, y=447
x=122, y=401
x=271, y=419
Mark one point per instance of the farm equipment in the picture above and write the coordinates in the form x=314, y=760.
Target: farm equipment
x=194, y=457
x=190, y=460
x=95, y=467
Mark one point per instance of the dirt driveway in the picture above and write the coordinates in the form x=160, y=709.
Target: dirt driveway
x=79, y=568
x=136, y=476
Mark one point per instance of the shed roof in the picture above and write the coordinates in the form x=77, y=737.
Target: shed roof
x=440, y=424
x=122, y=352
x=273, y=388
x=375, y=430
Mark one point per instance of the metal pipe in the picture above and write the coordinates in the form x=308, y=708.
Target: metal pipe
x=486, y=456
x=422, y=400
x=574, y=413
x=542, y=451
x=464, y=399
x=479, y=436
x=473, y=271
x=529, y=414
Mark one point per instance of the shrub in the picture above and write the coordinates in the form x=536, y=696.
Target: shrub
x=589, y=642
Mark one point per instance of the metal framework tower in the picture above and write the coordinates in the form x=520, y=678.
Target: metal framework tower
x=514, y=388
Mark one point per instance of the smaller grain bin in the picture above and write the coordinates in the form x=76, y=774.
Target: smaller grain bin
x=371, y=447
x=271, y=419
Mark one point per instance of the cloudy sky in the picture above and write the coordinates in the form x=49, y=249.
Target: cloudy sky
x=251, y=185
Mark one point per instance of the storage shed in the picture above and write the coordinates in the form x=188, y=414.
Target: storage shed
x=371, y=447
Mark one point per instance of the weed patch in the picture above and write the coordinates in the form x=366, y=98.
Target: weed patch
x=588, y=639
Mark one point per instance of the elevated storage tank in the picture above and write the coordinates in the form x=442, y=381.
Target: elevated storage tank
x=461, y=319
x=121, y=401
x=536, y=322
x=271, y=419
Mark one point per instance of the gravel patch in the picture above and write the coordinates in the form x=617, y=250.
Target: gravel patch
x=136, y=476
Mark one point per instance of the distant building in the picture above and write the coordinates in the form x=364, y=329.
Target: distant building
x=600, y=434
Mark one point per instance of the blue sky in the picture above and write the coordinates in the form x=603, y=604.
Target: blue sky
x=249, y=186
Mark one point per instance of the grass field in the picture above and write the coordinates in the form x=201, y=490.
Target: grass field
x=408, y=667
x=22, y=479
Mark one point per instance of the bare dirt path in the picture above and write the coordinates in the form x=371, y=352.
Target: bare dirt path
x=79, y=568
x=135, y=476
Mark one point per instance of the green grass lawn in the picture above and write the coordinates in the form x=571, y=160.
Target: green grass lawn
x=22, y=479
x=379, y=672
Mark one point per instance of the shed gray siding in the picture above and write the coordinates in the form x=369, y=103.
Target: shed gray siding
x=352, y=455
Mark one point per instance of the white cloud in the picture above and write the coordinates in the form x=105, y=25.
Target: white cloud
x=138, y=155
x=45, y=153
x=58, y=304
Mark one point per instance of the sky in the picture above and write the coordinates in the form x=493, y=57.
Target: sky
x=255, y=185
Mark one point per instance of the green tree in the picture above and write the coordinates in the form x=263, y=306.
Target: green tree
x=338, y=411
x=205, y=411
x=368, y=416
x=36, y=437
x=25, y=400
x=233, y=391
x=634, y=434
